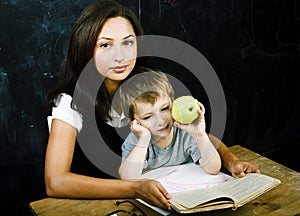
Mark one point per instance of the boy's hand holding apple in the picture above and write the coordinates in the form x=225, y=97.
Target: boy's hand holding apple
x=189, y=115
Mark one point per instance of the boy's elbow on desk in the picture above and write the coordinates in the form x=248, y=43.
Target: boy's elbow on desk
x=212, y=169
x=126, y=174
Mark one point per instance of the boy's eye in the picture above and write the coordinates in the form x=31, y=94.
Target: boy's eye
x=146, y=117
x=165, y=108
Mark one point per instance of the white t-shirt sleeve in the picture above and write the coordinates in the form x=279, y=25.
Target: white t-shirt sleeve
x=64, y=112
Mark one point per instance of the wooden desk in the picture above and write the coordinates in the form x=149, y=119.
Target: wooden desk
x=282, y=200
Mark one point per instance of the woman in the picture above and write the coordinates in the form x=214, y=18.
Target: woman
x=104, y=34
x=105, y=30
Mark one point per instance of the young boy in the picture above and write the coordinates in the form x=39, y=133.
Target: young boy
x=155, y=139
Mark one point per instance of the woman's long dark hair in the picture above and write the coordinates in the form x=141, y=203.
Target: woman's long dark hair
x=81, y=47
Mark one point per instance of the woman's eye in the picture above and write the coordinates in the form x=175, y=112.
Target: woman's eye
x=105, y=45
x=128, y=43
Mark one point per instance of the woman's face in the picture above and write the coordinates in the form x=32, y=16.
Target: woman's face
x=116, y=51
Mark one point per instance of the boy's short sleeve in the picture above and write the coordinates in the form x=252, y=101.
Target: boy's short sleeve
x=63, y=111
x=128, y=145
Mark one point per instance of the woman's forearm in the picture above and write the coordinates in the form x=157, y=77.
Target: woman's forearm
x=226, y=155
x=70, y=185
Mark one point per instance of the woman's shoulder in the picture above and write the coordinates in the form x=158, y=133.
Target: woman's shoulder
x=63, y=111
x=63, y=98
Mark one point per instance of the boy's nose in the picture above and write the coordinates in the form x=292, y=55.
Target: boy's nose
x=160, y=119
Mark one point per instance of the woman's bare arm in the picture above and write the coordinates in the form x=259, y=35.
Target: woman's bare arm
x=60, y=182
x=230, y=161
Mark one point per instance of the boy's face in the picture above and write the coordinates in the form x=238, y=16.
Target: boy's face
x=156, y=118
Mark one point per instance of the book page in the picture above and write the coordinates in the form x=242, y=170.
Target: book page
x=196, y=197
x=185, y=177
x=239, y=190
x=245, y=189
x=204, y=207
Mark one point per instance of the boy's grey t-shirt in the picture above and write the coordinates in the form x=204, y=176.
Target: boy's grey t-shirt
x=183, y=149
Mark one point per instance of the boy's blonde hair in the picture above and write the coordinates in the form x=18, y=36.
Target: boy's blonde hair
x=146, y=86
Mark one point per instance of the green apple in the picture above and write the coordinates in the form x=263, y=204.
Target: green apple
x=184, y=109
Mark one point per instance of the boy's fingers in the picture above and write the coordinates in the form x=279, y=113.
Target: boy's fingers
x=201, y=108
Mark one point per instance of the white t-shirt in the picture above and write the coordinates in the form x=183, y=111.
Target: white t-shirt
x=63, y=111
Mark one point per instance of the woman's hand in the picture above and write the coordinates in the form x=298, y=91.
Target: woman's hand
x=241, y=168
x=152, y=192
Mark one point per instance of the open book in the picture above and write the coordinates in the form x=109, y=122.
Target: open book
x=193, y=190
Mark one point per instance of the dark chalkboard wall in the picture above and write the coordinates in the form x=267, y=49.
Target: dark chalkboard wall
x=254, y=48
x=252, y=45
x=32, y=43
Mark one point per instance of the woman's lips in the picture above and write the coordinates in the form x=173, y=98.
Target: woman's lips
x=119, y=69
